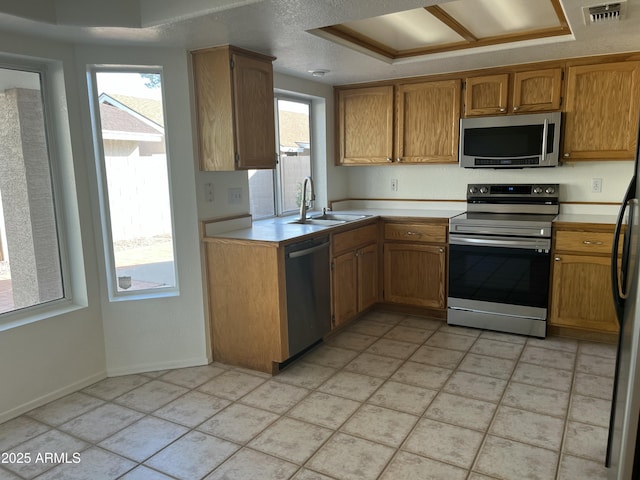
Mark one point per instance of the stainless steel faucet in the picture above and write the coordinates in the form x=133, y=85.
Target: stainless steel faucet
x=303, y=204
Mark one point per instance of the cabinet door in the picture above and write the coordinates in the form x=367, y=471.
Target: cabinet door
x=254, y=113
x=537, y=91
x=367, y=276
x=415, y=274
x=601, y=113
x=365, y=125
x=581, y=293
x=427, y=122
x=214, y=108
x=345, y=292
x=486, y=95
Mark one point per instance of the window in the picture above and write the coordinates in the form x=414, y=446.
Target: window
x=134, y=179
x=31, y=266
x=279, y=191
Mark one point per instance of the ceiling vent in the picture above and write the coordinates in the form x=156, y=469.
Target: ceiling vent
x=605, y=13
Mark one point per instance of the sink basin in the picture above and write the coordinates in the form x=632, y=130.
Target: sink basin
x=342, y=217
x=328, y=219
x=327, y=222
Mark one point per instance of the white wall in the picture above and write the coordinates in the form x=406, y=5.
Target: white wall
x=43, y=360
x=157, y=333
x=448, y=182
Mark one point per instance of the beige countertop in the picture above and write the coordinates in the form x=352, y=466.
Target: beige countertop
x=278, y=230
x=585, y=218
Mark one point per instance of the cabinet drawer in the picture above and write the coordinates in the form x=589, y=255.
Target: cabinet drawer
x=588, y=242
x=416, y=232
x=352, y=239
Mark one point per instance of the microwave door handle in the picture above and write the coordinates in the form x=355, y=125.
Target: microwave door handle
x=545, y=132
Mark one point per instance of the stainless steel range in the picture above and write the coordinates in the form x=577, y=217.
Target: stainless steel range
x=500, y=258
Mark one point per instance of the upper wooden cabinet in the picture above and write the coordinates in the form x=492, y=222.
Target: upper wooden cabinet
x=425, y=125
x=427, y=122
x=518, y=92
x=486, y=95
x=365, y=125
x=601, y=112
x=235, y=109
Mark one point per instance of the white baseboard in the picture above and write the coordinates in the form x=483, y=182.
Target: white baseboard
x=49, y=397
x=85, y=382
x=152, y=367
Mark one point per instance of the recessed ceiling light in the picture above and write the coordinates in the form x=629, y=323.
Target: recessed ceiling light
x=318, y=73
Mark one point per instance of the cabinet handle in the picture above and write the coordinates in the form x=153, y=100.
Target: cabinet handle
x=502, y=109
x=557, y=259
x=441, y=250
x=566, y=155
x=515, y=109
x=591, y=242
x=389, y=159
x=413, y=233
x=399, y=159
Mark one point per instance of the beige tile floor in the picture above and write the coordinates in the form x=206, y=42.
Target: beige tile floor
x=393, y=397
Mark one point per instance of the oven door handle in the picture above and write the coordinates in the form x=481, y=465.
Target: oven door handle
x=480, y=241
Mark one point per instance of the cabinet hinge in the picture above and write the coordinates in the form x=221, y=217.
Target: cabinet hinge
x=232, y=64
x=332, y=266
x=237, y=157
x=562, y=75
x=464, y=85
x=561, y=99
x=333, y=320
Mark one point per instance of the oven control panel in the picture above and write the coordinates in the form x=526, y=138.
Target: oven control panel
x=510, y=190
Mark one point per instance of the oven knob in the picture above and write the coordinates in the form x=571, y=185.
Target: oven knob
x=473, y=189
x=537, y=190
x=484, y=190
x=550, y=190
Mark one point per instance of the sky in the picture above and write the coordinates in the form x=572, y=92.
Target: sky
x=125, y=83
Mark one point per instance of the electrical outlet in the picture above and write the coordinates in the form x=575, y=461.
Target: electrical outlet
x=394, y=184
x=235, y=195
x=596, y=185
x=208, y=192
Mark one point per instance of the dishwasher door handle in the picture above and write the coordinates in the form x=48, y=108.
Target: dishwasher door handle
x=308, y=251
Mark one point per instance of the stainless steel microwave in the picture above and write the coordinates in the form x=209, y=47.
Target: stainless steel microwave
x=510, y=141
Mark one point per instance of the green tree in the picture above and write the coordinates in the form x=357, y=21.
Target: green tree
x=152, y=79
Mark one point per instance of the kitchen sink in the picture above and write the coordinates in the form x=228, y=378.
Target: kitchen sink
x=343, y=217
x=327, y=222
x=328, y=219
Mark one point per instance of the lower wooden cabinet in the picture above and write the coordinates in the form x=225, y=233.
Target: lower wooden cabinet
x=415, y=264
x=415, y=274
x=247, y=303
x=355, y=267
x=581, y=281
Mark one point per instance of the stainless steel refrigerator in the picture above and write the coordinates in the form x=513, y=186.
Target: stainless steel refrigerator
x=623, y=450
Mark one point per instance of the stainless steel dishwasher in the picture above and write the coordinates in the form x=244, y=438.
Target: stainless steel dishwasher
x=308, y=292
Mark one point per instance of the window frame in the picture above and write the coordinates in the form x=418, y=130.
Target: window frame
x=52, y=131
x=277, y=172
x=114, y=294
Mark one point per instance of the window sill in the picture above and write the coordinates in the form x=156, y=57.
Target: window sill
x=19, y=318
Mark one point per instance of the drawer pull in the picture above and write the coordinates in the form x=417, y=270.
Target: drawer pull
x=441, y=250
x=590, y=242
x=413, y=233
x=557, y=259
